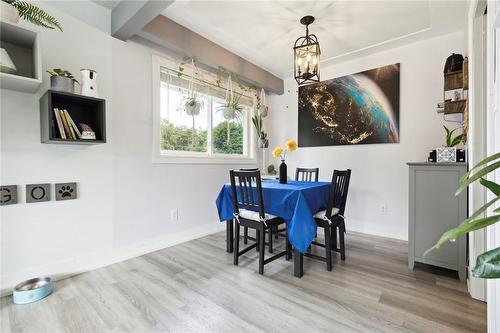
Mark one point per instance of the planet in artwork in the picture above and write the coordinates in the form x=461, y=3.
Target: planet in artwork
x=360, y=108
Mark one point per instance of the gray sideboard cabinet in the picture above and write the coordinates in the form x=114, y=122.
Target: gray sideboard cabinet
x=434, y=209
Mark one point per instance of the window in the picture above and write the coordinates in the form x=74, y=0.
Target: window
x=187, y=132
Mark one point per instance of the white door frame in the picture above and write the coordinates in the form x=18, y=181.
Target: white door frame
x=477, y=138
x=493, y=144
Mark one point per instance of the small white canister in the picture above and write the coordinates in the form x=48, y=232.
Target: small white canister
x=89, y=82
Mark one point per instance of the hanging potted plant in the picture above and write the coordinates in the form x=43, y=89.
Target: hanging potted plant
x=258, y=124
x=232, y=109
x=263, y=109
x=193, y=104
x=11, y=10
x=62, y=80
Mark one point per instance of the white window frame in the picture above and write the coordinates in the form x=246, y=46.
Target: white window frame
x=186, y=157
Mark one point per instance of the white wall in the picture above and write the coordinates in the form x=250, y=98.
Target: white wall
x=124, y=203
x=35, y=235
x=379, y=171
x=144, y=193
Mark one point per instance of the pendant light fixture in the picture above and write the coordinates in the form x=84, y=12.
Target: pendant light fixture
x=306, y=53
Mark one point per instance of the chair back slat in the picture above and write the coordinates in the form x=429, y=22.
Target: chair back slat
x=248, y=185
x=307, y=174
x=250, y=169
x=338, y=191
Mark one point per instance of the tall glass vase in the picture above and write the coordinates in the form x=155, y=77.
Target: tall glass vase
x=264, y=161
x=264, y=144
x=283, y=175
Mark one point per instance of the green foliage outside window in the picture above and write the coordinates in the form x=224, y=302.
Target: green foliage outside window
x=221, y=143
x=181, y=138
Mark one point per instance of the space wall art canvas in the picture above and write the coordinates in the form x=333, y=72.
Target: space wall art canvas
x=359, y=108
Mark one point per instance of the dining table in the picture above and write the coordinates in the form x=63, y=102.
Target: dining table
x=296, y=202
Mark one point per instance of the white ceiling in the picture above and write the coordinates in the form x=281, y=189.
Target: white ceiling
x=110, y=4
x=263, y=32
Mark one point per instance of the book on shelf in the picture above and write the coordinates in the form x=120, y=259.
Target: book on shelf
x=68, y=120
x=74, y=128
x=66, y=125
x=59, y=124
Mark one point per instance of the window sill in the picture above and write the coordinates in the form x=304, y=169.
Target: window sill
x=173, y=159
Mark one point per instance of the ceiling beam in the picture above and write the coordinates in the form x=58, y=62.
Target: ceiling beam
x=178, y=38
x=128, y=17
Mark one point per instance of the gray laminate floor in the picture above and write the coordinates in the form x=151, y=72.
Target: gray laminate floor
x=194, y=287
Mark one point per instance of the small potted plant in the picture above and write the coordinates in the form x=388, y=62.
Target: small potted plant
x=62, y=80
x=11, y=10
x=448, y=153
x=271, y=169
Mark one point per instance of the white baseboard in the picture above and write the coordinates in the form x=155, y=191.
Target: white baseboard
x=376, y=233
x=72, y=266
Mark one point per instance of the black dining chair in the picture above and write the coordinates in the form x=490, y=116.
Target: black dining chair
x=307, y=174
x=245, y=229
x=332, y=218
x=248, y=211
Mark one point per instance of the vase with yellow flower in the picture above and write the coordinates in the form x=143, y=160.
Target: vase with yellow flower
x=279, y=152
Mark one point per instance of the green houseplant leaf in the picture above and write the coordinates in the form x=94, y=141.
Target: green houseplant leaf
x=462, y=229
x=488, y=265
x=481, y=163
x=63, y=73
x=464, y=182
x=34, y=14
x=258, y=123
x=492, y=186
x=482, y=209
x=450, y=140
x=448, y=135
x=456, y=140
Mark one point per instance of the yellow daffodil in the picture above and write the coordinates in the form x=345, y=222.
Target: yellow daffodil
x=291, y=145
x=277, y=152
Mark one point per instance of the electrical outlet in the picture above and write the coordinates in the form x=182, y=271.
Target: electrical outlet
x=174, y=214
x=383, y=209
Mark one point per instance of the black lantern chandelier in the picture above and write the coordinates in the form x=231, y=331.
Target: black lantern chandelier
x=306, y=55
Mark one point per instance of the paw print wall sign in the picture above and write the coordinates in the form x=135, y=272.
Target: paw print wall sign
x=65, y=191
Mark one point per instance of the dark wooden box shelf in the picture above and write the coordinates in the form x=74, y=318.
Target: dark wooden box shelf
x=453, y=80
x=451, y=107
x=82, y=109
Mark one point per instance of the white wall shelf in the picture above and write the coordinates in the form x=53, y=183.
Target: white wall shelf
x=23, y=47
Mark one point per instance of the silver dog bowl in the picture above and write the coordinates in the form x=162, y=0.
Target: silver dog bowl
x=32, y=290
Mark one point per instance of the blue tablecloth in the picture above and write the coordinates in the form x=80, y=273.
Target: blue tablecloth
x=296, y=202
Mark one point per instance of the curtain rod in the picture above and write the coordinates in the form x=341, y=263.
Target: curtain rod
x=210, y=84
